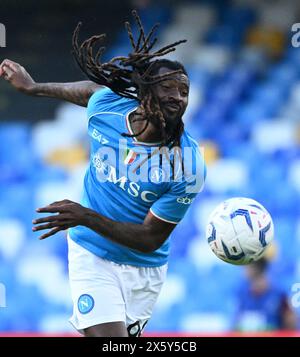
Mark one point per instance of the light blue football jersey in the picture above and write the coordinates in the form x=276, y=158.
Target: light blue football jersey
x=126, y=178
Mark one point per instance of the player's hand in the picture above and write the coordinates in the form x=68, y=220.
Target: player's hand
x=17, y=76
x=69, y=214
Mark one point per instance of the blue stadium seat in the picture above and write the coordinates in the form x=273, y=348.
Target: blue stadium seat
x=16, y=148
x=224, y=35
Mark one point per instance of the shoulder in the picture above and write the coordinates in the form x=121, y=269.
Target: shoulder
x=187, y=141
x=193, y=162
x=106, y=101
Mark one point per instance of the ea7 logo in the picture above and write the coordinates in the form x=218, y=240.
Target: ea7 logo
x=2, y=295
x=2, y=35
x=99, y=137
x=296, y=295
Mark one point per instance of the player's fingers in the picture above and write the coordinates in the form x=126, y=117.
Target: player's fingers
x=7, y=72
x=45, y=226
x=52, y=209
x=54, y=224
x=50, y=219
x=54, y=203
x=52, y=232
x=3, y=63
x=7, y=63
x=1, y=68
x=59, y=203
x=13, y=66
x=11, y=61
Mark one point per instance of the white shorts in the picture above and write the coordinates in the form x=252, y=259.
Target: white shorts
x=104, y=291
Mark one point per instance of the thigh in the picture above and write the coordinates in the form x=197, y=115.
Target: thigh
x=110, y=329
x=96, y=293
x=144, y=291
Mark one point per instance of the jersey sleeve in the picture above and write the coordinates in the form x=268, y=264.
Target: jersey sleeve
x=105, y=101
x=101, y=101
x=173, y=205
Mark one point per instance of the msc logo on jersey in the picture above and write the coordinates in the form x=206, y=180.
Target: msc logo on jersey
x=99, y=137
x=85, y=303
x=185, y=200
x=108, y=173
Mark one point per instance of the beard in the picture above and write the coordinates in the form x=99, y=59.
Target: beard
x=172, y=124
x=172, y=120
x=172, y=128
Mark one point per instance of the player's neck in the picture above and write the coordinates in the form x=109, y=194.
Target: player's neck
x=150, y=135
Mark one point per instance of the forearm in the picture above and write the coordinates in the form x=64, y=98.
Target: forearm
x=145, y=237
x=139, y=237
x=76, y=92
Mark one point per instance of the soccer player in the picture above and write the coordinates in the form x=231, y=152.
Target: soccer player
x=144, y=173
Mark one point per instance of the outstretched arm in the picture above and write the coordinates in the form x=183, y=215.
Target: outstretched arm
x=145, y=237
x=76, y=92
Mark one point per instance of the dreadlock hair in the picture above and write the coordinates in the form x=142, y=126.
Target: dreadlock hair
x=133, y=76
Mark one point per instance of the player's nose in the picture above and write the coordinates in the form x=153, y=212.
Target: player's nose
x=176, y=97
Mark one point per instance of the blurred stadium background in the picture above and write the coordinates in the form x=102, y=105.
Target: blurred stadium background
x=244, y=109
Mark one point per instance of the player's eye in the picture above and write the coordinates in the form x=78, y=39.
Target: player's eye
x=184, y=92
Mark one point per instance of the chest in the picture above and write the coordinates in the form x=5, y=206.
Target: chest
x=119, y=164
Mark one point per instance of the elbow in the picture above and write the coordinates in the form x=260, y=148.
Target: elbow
x=151, y=245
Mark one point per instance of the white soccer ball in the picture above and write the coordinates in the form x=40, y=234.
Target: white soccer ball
x=239, y=230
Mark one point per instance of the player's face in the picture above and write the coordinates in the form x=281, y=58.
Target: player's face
x=172, y=95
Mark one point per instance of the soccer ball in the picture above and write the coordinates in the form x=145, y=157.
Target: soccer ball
x=239, y=230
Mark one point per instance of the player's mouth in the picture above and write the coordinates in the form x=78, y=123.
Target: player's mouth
x=173, y=107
